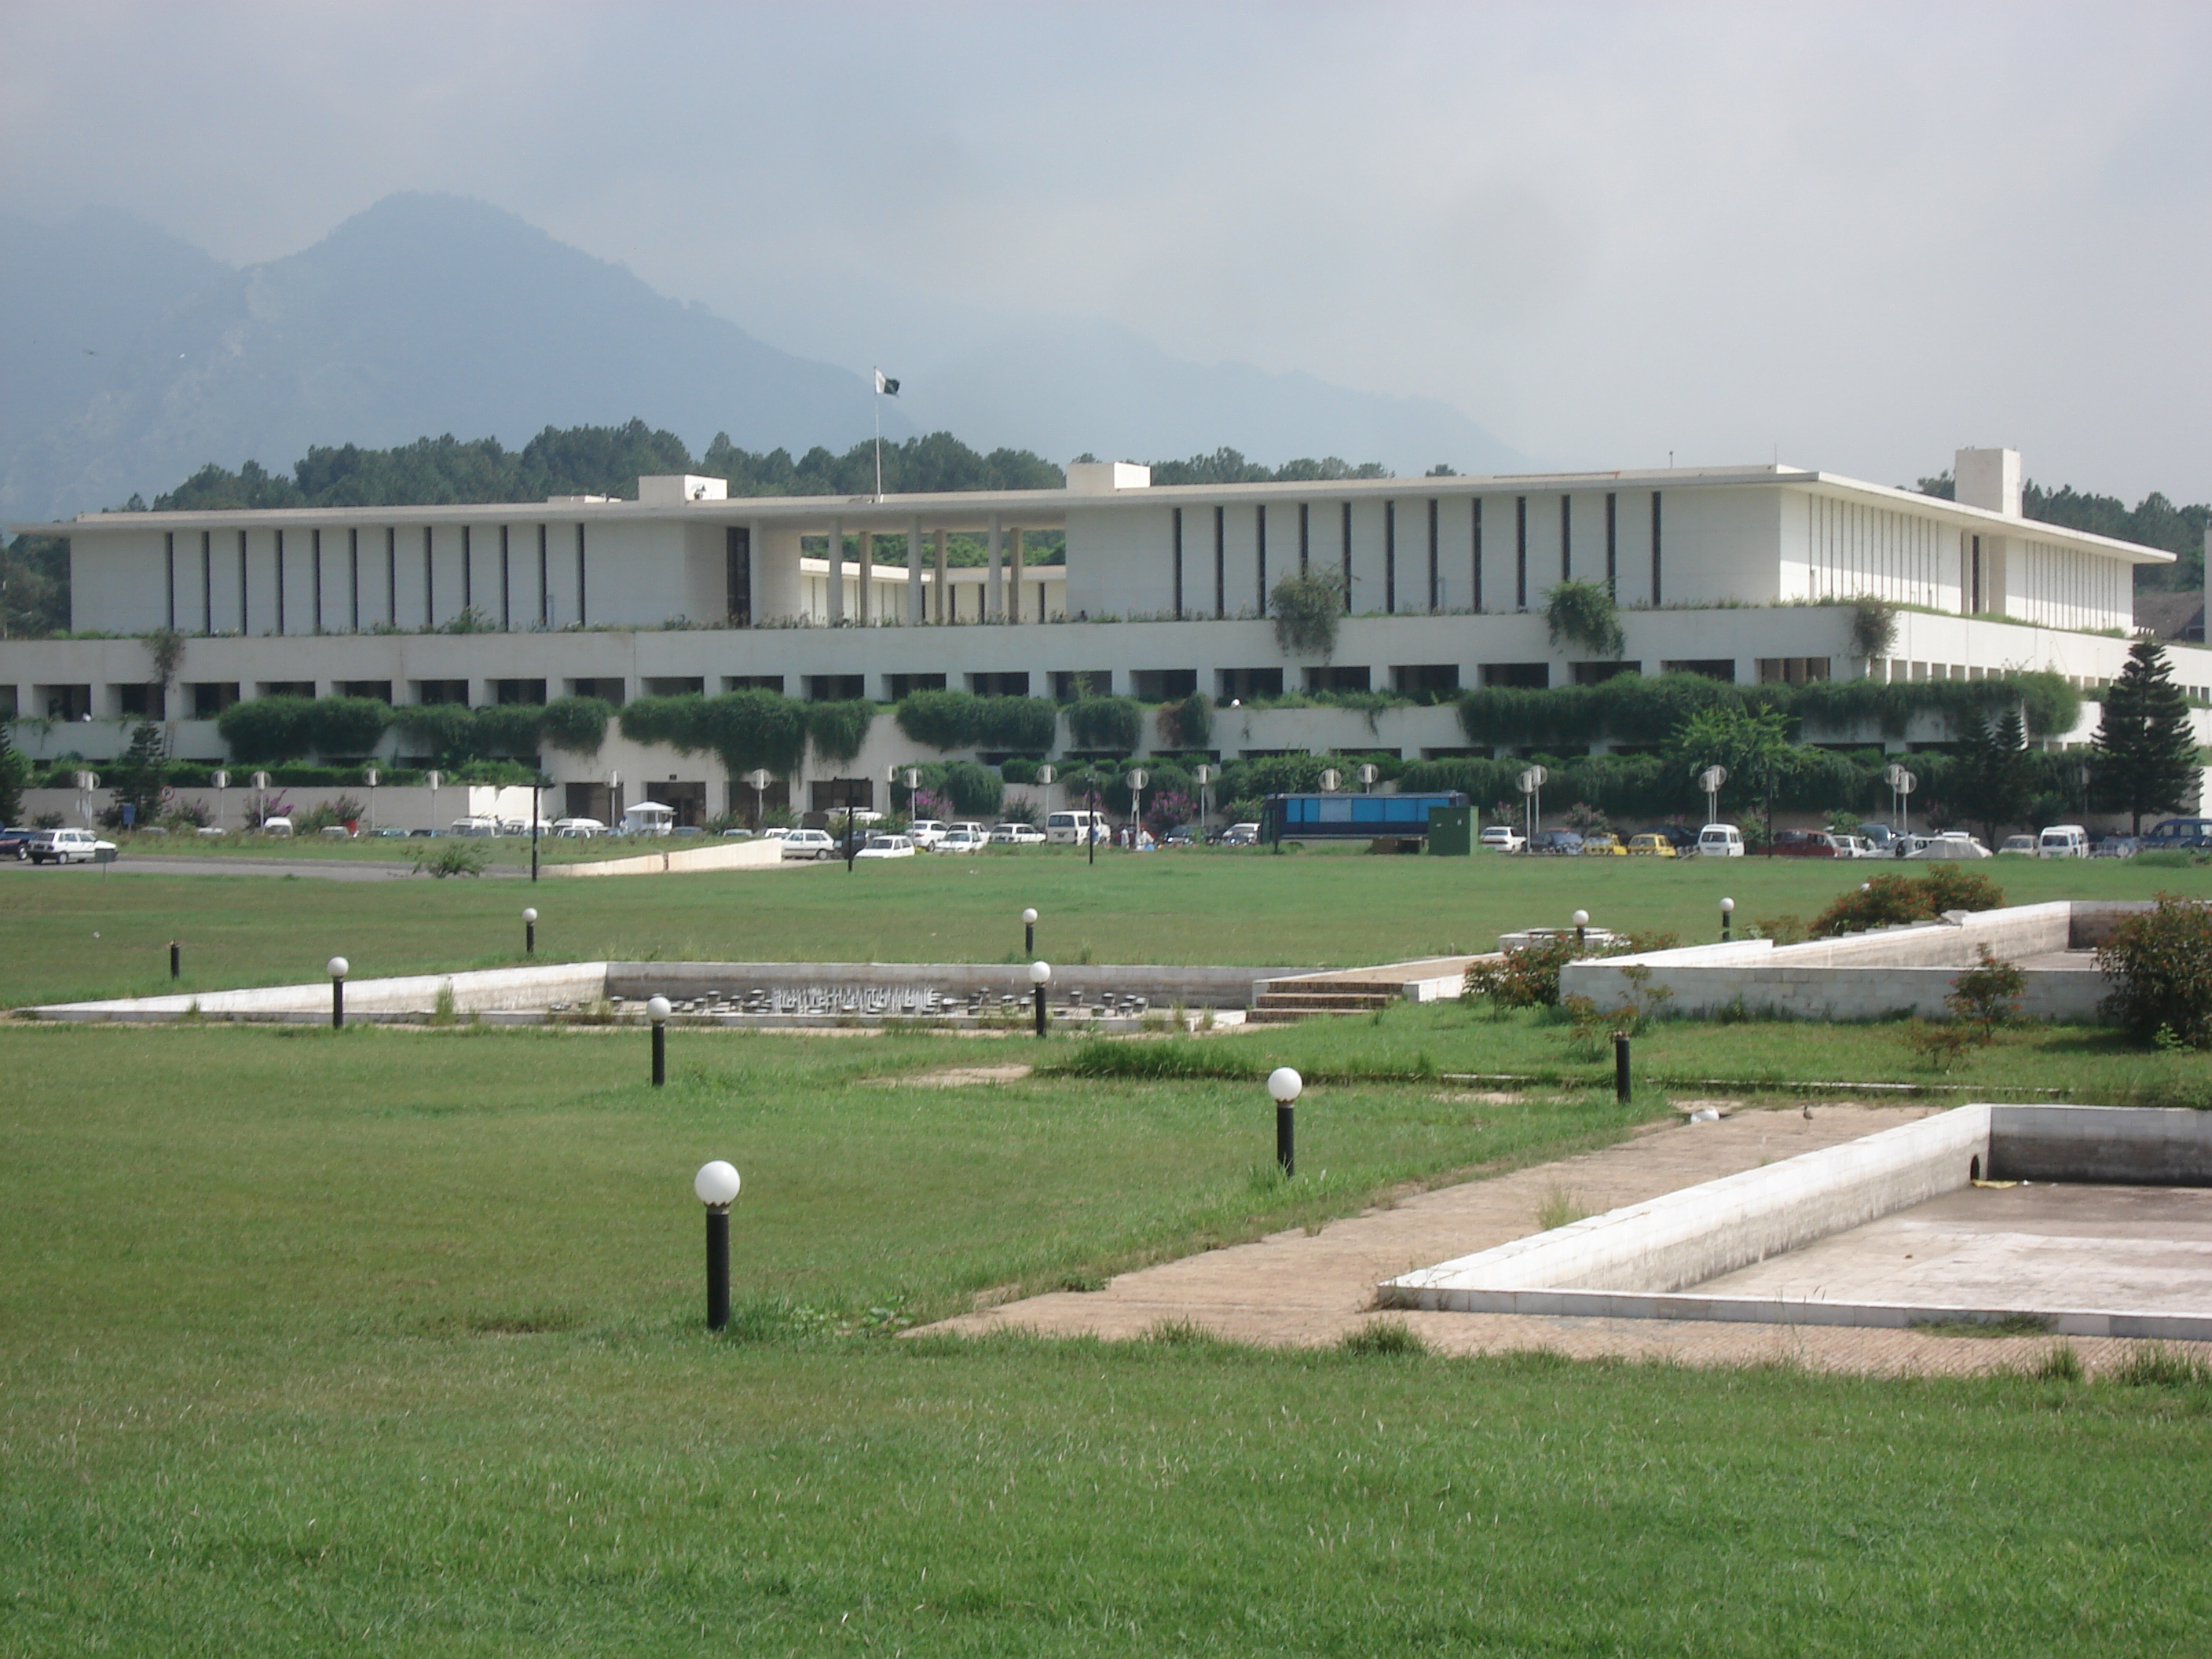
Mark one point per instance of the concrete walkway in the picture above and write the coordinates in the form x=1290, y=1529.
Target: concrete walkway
x=1294, y=1289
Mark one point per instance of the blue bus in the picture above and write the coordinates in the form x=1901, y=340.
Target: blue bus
x=1353, y=817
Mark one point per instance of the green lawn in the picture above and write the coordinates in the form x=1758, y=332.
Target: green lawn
x=1323, y=909
x=388, y=1341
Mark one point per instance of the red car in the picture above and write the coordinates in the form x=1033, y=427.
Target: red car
x=1806, y=844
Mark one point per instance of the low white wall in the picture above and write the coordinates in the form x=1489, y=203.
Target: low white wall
x=1687, y=1238
x=477, y=990
x=677, y=858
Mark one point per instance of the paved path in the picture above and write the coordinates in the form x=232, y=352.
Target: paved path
x=323, y=869
x=1295, y=1289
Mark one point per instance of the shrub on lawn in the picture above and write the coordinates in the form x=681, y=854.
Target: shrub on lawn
x=1987, y=995
x=1891, y=900
x=2160, y=963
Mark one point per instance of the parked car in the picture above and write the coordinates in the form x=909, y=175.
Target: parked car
x=1241, y=835
x=1556, y=843
x=775, y=832
x=578, y=829
x=1853, y=847
x=1720, y=841
x=1501, y=838
x=737, y=832
x=862, y=817
x=1878, y=836
x=470, y=826
x=1805, y=844
x=16, y=843
x=336, y=832
x=2022, y=845
x=2116, y=846
x=1954, y=844
x=2063, y=841
x=817, y=844
x=1653, y=846
x=887, y=846
x=1603, y=845
x=280, y=827
x=1179, y=837
x=962, y=838
x=67, y=847
x=1069, y=828
x=389, y=832
x=1684, y=841
x=1017, y=835
x=2179, y=832
x=925, y=832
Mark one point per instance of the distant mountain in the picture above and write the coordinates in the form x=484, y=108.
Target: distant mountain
x=425, y=314
x=1064, y=388
x=131, y=358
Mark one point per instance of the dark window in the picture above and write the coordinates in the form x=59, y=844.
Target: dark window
x=1713, y=668
x=832, y=688
x=1654, y=547
x=353, y=580
x=992, y=685
x=379, y=690
x=506, y=584
x=1520, y=552
x=1305, y=534
x=1566, y=538
x=63, y=702
x=835, y=794
x=1597, y=673
x=1429, y=682
x=1520, y=676
x=1260, y=549
x=315, y=558
x=1244, y=684
x=1162, y=685
x=1070, y=683
x=144, y=701
x=1475, y=555
x=430, y=579
x=582, y=614
x=674, y=685
x=279, y=562
x=1220, y=562
x=902, y=686
x=208, y=698
x=243, y=627
x=1334, y=677
x=391, y=574
x=544, y=582
x=452, y=691
x=468, y=570
x=737, y=575
x=1435, y=581
x=528, y=691
x=207, y=582
x=1178, y=564
x=1347, y=558
x=1974, y=606
x=1791, y=670
x=611, y=688
x=1612, y=544
x=730, y=682
x=286, y=689
x=1390, y=558
x=169, y=558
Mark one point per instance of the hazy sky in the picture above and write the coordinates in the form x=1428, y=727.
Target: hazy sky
x=1862, y=234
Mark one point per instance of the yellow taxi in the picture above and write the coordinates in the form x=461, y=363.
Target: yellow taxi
x=1604, y=846
x=1655, y=846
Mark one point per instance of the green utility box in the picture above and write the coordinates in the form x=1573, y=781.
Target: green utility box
x=1452, y=831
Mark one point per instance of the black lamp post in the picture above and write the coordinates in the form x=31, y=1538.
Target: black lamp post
x=1581, y=919
x=657, y=1010
x=1285, y=1085
x=339, y=970
x=534, y=816
x=716, y=1185
x=1621, y=1089
x=176, y=960
x=1727, y=910
x=530, y=932
x=1092, y=833
x=1029, y=933
x=1039, y=976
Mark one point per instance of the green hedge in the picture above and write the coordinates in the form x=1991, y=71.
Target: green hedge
x=746, y=730
x=960, y=719
x=1115, y=725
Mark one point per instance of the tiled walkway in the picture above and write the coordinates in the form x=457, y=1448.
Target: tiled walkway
x=1300, y=1290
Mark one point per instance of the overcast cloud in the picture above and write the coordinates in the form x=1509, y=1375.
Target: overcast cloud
x=1860, y=235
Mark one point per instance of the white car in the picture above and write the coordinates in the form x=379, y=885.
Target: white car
x=2063, y=841
x=925, y=833
x=962, y=838
x=1720, y=841
x=578, y=829
x=738, y=833
x=818, y=844
x=862, y=817
x=67, y=847
x=2022, y=845
x=1502, y=838
x=1954, y=844
x=886, y=846
x=1069, y=828
x=1017, y=835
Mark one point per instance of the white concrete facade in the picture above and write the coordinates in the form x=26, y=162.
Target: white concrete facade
x=1744, y=572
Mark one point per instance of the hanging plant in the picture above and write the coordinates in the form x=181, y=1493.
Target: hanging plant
x=1584, y=612
x=1307, y=609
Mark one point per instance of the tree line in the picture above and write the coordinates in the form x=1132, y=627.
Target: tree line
x=2155, y=521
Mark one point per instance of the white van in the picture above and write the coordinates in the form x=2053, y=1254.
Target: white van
x=1069, y=828
x=1720, y=841
x=2063, y=841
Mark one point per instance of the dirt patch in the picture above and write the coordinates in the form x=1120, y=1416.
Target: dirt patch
x=963, y=1077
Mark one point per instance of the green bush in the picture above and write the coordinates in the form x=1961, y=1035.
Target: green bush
x=1891, y=900
x=508, y=730
x=263, y=730
x=1188, y=723
x=1582, y=613
x=445, y=729
x=1028, y=724
x=347, y=726
x=976, y=791
x=1307, y=609
x=1115, y=725
x=838, y=729
x=2159, y=963
x=575, y=726
x=1018, y=769
x=940, y=720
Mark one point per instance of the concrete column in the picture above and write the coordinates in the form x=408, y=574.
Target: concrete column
x=836, y=571
x=867, y=576
x=1014, y=610
x=940, y=573
x=994, y=595
x=778, y=589
x=914, y=613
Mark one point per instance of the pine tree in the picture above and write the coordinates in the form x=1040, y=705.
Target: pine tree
x=141, y=776
x=2145, y=755
x=1996, y=776
x=14, y=771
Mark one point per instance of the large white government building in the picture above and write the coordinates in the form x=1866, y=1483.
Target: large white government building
x=1745, y=574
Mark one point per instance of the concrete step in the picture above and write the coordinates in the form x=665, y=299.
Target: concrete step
x=1323, y=1002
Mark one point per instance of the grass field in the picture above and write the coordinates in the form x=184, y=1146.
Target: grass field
x=388, y=1341
x=1316, y=909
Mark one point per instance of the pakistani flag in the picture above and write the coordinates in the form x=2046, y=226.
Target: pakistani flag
x=885, y=386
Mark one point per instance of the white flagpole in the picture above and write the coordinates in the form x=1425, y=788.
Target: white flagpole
x=878, y=401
